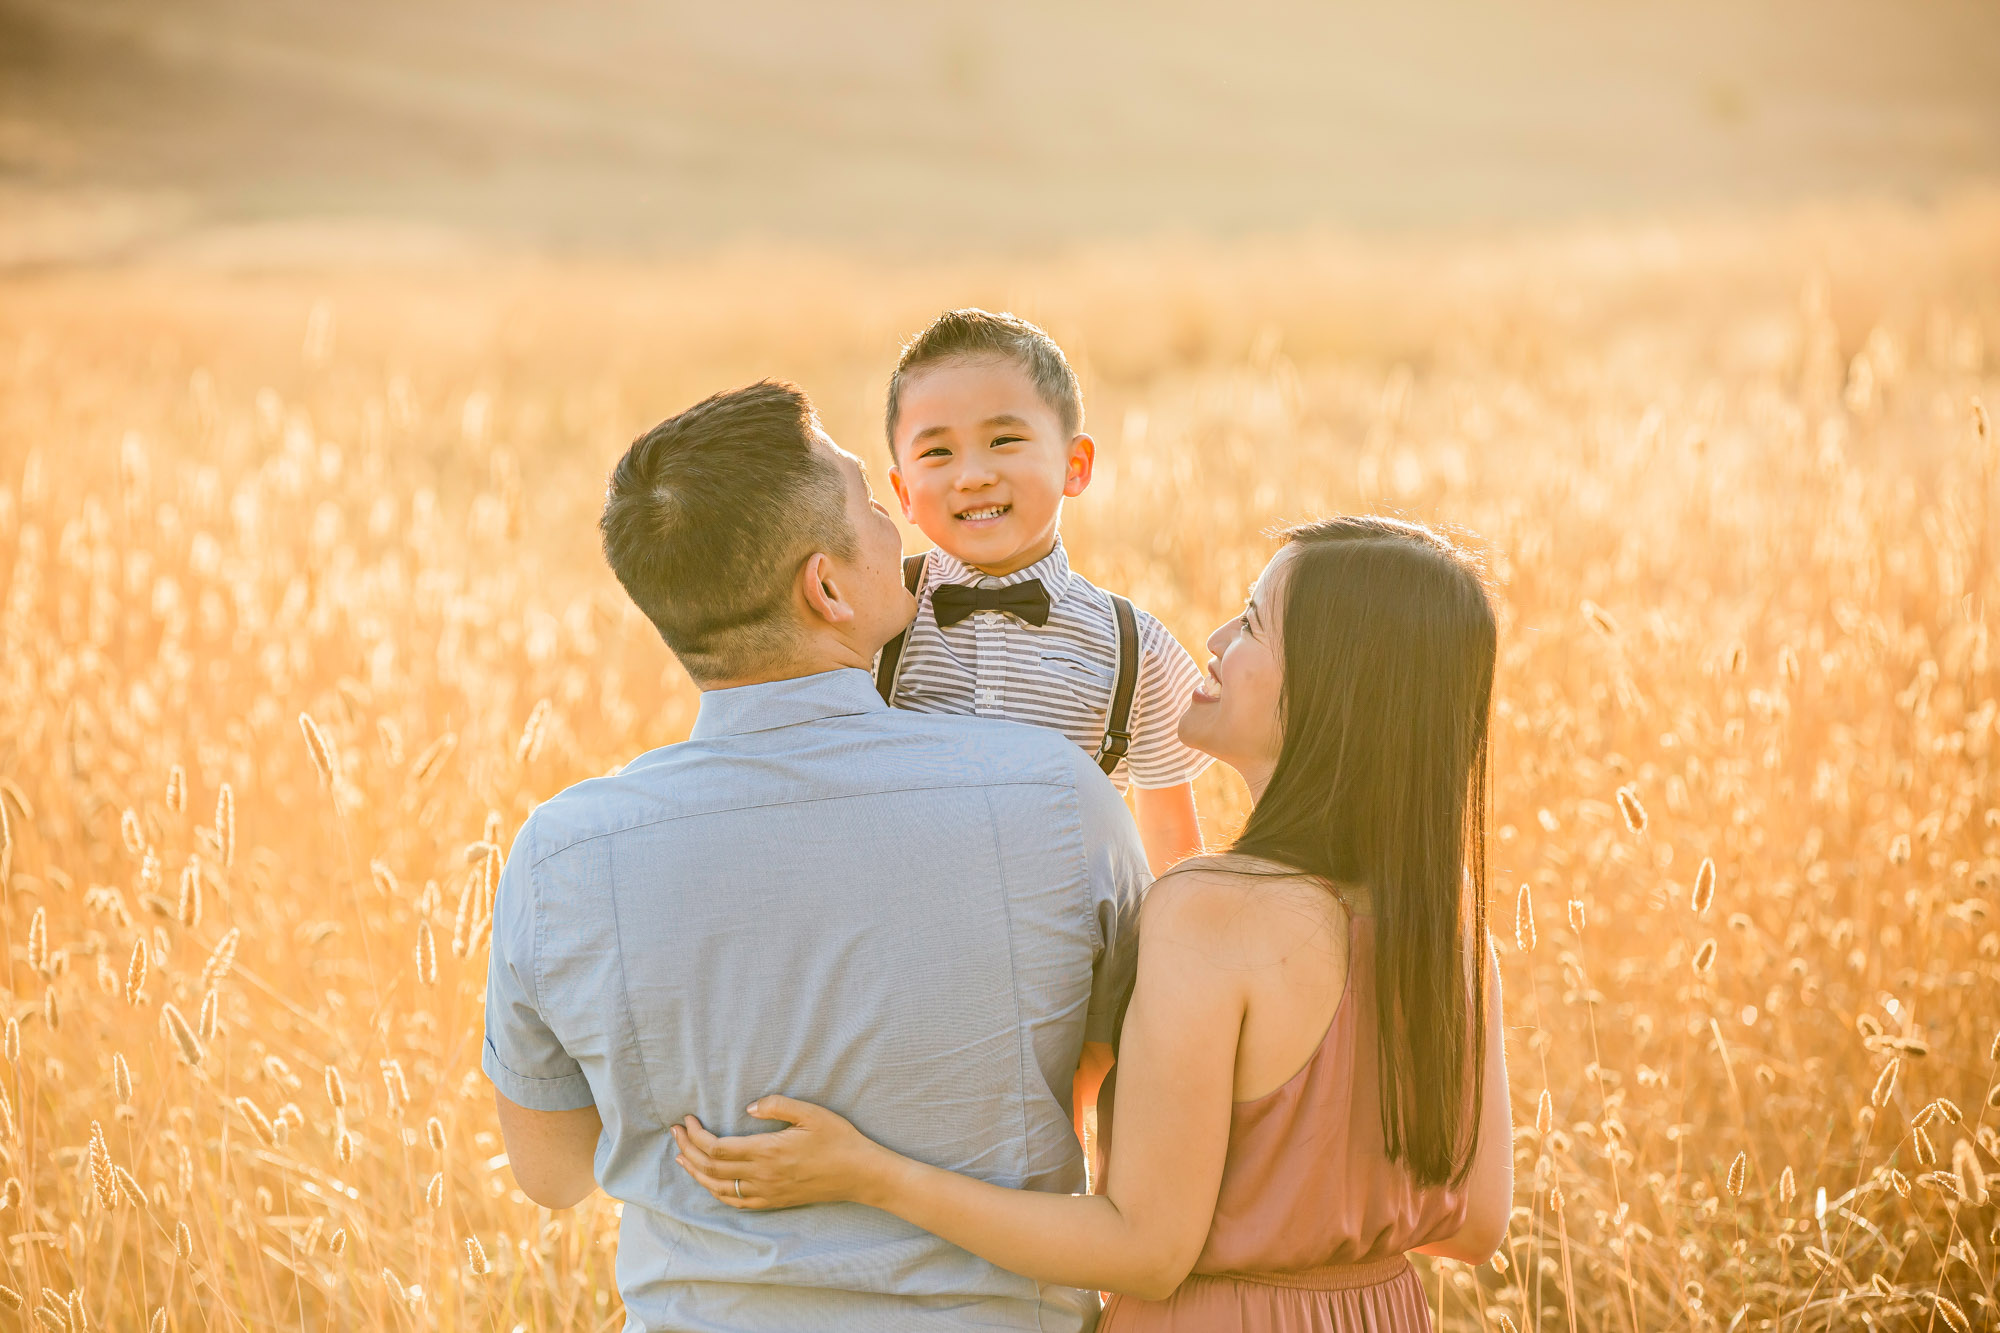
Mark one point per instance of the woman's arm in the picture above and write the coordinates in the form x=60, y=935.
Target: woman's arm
x=1489, y=1185
x=1168, y=824
x=1176, y=1075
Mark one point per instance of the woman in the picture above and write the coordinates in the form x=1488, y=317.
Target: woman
x=1310, y=1079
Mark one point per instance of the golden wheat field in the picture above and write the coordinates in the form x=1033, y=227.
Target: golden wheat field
x=301, y=613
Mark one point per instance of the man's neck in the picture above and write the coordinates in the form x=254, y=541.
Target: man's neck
x=832, y=657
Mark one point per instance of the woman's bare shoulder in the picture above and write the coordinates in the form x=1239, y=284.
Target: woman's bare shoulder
x=1235, y=900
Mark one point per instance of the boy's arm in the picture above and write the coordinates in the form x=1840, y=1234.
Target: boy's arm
x=1088, y=1083
x=1168, y=824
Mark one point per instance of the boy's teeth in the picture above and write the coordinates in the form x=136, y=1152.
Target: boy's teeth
x=994, y=512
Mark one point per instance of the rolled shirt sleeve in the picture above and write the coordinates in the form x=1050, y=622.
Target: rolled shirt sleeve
x=523, y=1057
x=1167, y=676
x=1118, y=881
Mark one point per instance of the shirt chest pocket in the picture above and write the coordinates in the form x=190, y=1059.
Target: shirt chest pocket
x=1087, y=682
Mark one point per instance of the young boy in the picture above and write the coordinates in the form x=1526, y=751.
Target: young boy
x=985, y=440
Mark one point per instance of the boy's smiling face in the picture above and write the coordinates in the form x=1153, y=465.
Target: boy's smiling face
x=982, y=462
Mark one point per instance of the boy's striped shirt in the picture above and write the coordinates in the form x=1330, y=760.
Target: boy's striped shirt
x=1058, y=675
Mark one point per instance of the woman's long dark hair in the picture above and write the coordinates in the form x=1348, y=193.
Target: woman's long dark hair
x=1389, y=644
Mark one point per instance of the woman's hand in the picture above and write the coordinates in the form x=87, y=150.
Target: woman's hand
x=818, y=1158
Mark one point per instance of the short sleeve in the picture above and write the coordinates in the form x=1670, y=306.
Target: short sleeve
x=523, y=1057
x=1167, y=676
x=1118, y=882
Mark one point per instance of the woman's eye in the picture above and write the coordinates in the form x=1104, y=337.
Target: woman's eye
x=1244, y=621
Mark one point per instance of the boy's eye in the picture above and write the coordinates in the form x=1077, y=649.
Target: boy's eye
x=935, y=451
x=1007, y=439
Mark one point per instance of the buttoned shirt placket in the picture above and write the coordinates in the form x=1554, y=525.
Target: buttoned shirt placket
x=997, y=636
x=989, y=683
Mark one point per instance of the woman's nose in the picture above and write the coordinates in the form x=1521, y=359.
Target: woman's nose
x=1225, y=634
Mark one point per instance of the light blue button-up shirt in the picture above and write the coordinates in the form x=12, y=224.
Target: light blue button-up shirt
x=916, y=920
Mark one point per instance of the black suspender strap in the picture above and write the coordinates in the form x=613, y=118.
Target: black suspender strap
x=1118, y=726
x=892, y=651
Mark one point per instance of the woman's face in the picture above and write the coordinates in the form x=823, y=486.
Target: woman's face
x=1235, y=712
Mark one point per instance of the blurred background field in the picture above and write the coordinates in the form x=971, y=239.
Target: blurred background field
x=318, y=337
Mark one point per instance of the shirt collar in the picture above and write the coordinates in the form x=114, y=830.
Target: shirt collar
x=738, y=711
x=1052, y=569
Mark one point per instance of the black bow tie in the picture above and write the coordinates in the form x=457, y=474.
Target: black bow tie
x=953, y=602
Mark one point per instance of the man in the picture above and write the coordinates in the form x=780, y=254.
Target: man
x=917, y=920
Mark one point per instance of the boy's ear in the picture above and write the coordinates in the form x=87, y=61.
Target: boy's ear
x=1082, y=460
x=902, y=491
x=821, y=591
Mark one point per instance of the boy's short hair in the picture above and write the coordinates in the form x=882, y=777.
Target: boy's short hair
x=973, y=334
x=709, y=515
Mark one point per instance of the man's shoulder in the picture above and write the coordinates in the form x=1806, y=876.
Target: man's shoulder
x=988, y=751
x=876, y=754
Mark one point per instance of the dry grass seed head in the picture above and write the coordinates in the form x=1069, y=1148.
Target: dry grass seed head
x=225, y=824
x=322, y=752
x=135, y=972
x=191, y=1048
x=221, y=959
x=336, y=1089
x=427, y=957
x=398, y=1086
x=259, y=1122
x=1885, y=1084
x=1630, y=807
x=189, y=911
x=430, y=762
x=1704, y=886
x=1704, y=957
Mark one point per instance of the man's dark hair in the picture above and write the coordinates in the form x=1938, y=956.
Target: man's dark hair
x=708, y=517
x=974, y=335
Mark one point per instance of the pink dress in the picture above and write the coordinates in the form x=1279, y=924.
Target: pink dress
x=1313, y=1220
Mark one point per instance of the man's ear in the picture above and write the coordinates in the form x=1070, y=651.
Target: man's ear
x=1082, y=460
x=821, y=592
x=902, y=491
